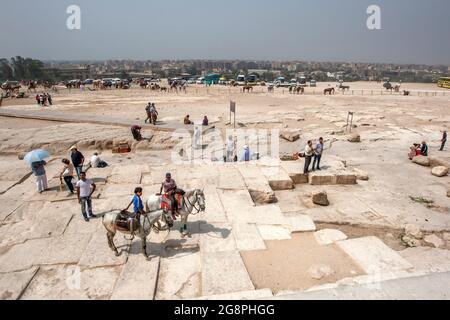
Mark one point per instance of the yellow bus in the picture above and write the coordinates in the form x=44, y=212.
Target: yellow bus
x=444, y=82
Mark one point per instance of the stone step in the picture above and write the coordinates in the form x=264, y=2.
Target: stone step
x=224, y=272
x=138, y=278
x=278, y=178
x=373, y=256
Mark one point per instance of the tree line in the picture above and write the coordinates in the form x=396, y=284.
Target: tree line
x=18, y=68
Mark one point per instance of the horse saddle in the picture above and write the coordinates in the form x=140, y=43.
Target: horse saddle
x=166, y=204
x=127, y=222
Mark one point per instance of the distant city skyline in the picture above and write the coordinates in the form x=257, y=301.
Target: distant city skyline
x=412, y=31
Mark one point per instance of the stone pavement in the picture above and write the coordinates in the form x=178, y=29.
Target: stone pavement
x=47, y=251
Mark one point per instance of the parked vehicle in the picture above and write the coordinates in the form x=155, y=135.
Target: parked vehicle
x=241, y=80
x=313, y=83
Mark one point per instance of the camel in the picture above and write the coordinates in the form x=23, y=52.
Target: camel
x=248, y=88
x=329, y=91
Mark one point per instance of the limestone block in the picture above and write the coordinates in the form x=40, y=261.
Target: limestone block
x=439, y=171
x=328, y=236
x=434, y=240
x=355, y=138
x=421, y=160
x=247, y=237
x=373, y=256
x=274, y=232
x=13, y=284
x=345, y=179
x=224, y=272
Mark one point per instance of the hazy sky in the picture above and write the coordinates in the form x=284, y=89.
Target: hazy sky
x=413, y=31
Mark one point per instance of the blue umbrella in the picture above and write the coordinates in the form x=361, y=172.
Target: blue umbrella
x=36, y=156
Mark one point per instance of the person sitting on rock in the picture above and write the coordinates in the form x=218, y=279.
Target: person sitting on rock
x=136, y=131
x=187, y=120
x=205, y=121
x=424, y=149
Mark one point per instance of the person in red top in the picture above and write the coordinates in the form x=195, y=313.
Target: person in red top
x=136, y=132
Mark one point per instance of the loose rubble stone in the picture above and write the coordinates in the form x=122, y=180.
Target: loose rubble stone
x=413, y=231
x=290, y=135
x=321, y=199
x=421, y=160
x=410, y=242
x=354, y=138
x=320, y=271
x=361, y=175
x=439, y=171
x=434, y=240
x=446, y=236
x=262, y=197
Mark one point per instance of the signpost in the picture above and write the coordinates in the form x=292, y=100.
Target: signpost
x=233, y=110
x=350, y=119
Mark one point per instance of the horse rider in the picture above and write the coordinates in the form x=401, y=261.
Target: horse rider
x=170, y=188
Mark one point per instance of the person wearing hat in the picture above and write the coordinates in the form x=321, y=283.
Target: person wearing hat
x=170, y=187
x=77, y=160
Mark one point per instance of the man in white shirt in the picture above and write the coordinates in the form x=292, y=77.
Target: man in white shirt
x=95, y=160
x=85, y=189
x=308, y=156
x=230, y=149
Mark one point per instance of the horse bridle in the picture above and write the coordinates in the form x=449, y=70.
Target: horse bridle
x=186, y=199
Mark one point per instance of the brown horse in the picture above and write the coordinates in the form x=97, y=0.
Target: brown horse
x=270, y=88
x=329, y=91
x=247, y=88
x=163, y=89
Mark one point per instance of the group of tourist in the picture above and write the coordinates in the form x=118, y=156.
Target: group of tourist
x=44, y=99
x=313, y=153
x=152, y=113
x=84, y=187
x=187, y=121
x=421, y=149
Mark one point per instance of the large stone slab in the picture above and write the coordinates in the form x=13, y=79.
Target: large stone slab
x=55, y=250
x=268, y=214
x=224, y=272
x=68, y=282
x=179, y=276
x=137, y=281
x=233, y=200
x=274, y=232
x=427, y=259
x=214, y=212
x=131, y=174
x=247, y=237
x=98, y=253
x=278, y=178
x=299, y=223
x=13, y=284
x=373, y=256
x=295, y=171
x=332, y=178
x=216, y=238
x=230, y=178
x=257, y=185
x=328, y=236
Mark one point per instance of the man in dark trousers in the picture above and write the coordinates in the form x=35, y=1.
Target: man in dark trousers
x=308, y=156
x=77, y=160
x=443, y=140
x=424, y=149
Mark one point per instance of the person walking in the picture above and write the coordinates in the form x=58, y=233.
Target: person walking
x=85, y=189
x=308, y=155
x=318, y=150
x=147, y=111
x=67, y=175
x=38, y=169
x=77, y=160
x=443, y=140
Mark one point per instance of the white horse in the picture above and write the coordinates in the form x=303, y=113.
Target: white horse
x=146, y=223
x=191, y=201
